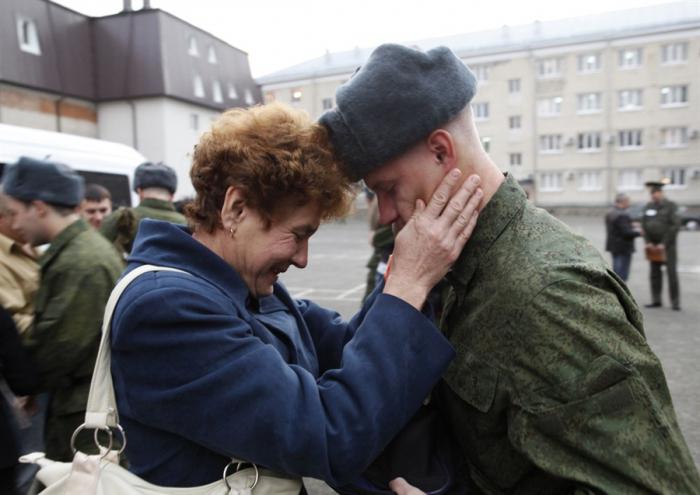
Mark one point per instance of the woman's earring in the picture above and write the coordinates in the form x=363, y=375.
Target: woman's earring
x=231, y=231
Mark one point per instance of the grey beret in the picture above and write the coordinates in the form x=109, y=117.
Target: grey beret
x=55, y=183
x=155, y=175
x=397, y=98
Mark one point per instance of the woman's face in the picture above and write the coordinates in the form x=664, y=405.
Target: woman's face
x=260, y=254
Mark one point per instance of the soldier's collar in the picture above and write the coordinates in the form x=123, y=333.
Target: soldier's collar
x=61, y=240
x=161, y=204
x=508, y=201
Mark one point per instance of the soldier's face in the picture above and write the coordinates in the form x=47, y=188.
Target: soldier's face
x=27, y=220
x=398, y=183
x=95, y=211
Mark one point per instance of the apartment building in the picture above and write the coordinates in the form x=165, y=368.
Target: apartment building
x=576, y=109
x=144, y=78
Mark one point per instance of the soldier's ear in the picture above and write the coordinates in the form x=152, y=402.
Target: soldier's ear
x=41, y=208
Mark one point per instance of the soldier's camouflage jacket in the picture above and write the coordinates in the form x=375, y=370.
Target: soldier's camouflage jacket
x=78, y=272
x=554, y=388
x=121, y=226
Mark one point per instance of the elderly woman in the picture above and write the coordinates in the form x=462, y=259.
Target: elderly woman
x=221, y=362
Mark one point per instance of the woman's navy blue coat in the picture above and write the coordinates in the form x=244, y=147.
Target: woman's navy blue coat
x=200, y=376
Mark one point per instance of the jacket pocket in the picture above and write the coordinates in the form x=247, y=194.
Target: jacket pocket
x=473, y=380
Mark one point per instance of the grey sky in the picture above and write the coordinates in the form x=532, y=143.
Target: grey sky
x=280, y=33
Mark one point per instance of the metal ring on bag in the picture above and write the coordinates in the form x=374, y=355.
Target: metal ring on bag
x=81, y=428
x=97, y=442
x=238, y=468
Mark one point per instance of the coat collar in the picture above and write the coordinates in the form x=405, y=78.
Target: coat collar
x=166, y=244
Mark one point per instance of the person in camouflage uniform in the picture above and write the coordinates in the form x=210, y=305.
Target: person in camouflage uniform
x=661, y=224
x=78, y=272
x=155, y=184
x=554, y=388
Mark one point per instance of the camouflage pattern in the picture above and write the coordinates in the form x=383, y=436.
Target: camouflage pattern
x=121, y=226
x=78, y=272
x=554, y=388
x=661, y=224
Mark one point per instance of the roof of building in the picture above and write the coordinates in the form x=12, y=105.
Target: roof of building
x=609, y=25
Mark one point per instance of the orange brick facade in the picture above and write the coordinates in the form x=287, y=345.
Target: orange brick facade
x=33, y=102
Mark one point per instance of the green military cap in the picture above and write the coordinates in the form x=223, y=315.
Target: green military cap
x=657, y=185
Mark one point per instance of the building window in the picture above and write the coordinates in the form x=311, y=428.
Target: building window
x=28, y=36
x=677, y=176
x=270, y=97
x=194, y=121
x=550, y=143
x=232, y=93
x=481, y=72
x=514, y=122
x=327, y=103
x=629, y=180
x=629, y=99
x=198, y=87
x=589, y=62
x=589, y=181
x=550, y=181
x=590, y=103
x=674, y=96
x=629, y=58
x=211, y=57
x=481, y=110
x=216, y=92
x=588, y=141
x=549, y=107
x=516, y=159
x=629, y=139
x=674, y=137
x=674, y=53
x=486, y=143
x=513, y=86
x=296, y=95
x=192, y=47
x=549, y=68
x=249, y=100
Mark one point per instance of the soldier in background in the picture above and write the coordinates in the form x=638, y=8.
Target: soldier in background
x=661, y=224
x=620, y=236
x=155, y=183
x=78, y=271
x=96, y=205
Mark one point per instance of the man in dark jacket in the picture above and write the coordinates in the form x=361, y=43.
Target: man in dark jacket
x=155, y=183
x=621, y=235
x=18, y=374
x=78, y=272
x=661, y=224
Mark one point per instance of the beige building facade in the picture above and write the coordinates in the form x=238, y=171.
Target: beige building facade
x=578, y=109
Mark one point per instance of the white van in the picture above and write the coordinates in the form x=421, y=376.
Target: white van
x=99, y=162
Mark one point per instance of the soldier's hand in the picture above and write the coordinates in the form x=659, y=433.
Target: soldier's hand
x=402, y=487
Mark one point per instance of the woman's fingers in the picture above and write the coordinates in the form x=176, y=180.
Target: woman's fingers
x=466, y=214
x=460, y=202
x=443, y=192
x=401, y=487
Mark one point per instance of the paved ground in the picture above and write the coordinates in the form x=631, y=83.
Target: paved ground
x=336, y=273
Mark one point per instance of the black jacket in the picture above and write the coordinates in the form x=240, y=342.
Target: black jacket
x=621, y=235
x=19, y=374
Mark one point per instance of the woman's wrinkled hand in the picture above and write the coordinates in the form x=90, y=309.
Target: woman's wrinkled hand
x=431, y=241
x=402, y=487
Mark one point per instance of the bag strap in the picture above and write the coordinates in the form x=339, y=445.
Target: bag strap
x=101, y=411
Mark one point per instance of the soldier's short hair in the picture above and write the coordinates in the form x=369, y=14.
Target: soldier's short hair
x=96, y=193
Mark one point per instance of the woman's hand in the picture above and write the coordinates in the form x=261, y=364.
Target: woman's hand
x=401, y=487
x=431, y=241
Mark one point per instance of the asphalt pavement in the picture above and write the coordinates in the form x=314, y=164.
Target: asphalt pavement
x=335, y=278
